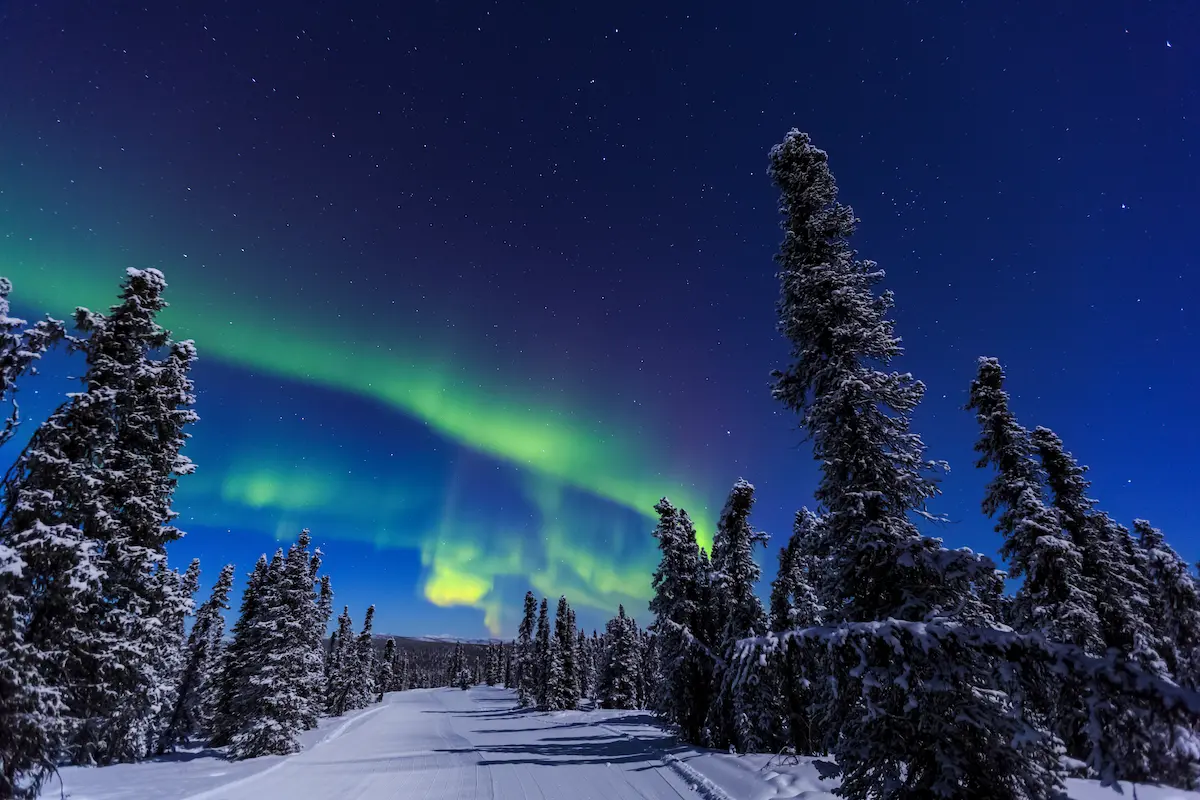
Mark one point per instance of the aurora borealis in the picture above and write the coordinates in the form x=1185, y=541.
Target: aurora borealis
x=472, y=287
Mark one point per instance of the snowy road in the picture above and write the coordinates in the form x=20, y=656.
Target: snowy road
x=454, y=745
x=446, y=744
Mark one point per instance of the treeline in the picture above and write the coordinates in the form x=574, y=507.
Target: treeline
x=553, y=665
x=95, y=667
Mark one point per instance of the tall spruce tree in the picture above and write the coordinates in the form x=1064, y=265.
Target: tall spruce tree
x=192, y=711
x=679, y=584
x=1174, y=604
x=386, y=678
x=742, y=714
x=363, y=676
x=619, y=677
x=88, y=511
x=29, y=706
x=795, y=605
x=273, y=704
x=1055, y=598
x=875, y=478
x=526, y=664
x=542, y=657
x=300, y=595
x=563, y=688
x=147, y=401
x=342, y=667
x=235, y=658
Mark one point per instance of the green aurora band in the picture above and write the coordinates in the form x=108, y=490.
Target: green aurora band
x=462, y=560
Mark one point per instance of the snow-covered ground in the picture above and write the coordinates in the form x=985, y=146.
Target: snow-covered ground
x=446, y=744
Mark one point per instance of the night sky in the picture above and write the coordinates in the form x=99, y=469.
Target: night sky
x=474, y=284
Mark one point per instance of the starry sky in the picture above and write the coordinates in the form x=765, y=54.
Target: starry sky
x=474, y=284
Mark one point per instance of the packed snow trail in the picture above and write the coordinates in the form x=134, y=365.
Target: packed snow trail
x=447, y=744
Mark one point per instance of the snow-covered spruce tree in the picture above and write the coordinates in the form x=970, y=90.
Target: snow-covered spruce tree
x=92, y=488
x=20, y=350
x=29, y=708
x=49, y=594
x=951, y=730
x=541, y=656
x=1174, y=604
x=363, y=677
x=342, y=667
x=402, y=673
x=148, y=400
x=1120, y=586
x=576, y=663
x=173, y=654
x=685, y=692
x=385, y=679
x=460, y=671
x=1056, y=599
x=650, y=670
x=583, y=658
x=618, y=678
x=192, y=711
x=319, y=678
x=272, y=694
x=1116, y=582
x=742, y=714
x=561, y=693
x=509, y=664
x=795, y=604
x=525, y=664
x=301, y=596
x=234, y=660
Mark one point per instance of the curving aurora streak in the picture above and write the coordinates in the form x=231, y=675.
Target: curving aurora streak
x=465, y=559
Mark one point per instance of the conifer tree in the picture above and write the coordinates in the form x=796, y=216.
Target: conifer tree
x=1174, y=604
x=618, y=682
x=542, y=657
x=342, y=667
x=318, y=678
x=874, y=479
x=385, y=680
x=363, y=675
x=29, y=708
x=300, y=596
x=508, y=665
x=526, y=663
x=235, y=660
x=460, y=673
x=1115, y=581
x=20, y=350
x=742, y=712
x=147, y=402
x=587, y=677
x=681, y=632
x=795, y=605
x=190, y=714
x=563, y=680
x=88, y=511
x=1055, y=599
x=402, y=672
x=273, y=702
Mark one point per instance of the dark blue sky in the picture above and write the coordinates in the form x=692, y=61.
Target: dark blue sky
x=471, y=281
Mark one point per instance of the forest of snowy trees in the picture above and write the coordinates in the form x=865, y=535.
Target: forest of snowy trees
x=924, y=671
x=907, y=661
x=97, y=662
